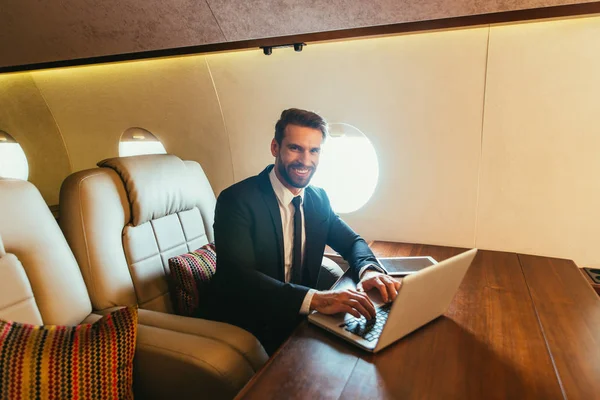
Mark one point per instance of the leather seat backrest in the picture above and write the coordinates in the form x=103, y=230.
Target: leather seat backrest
x=40, y=282
x=125, y=220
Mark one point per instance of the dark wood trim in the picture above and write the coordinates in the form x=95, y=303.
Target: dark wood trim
x=445, y=23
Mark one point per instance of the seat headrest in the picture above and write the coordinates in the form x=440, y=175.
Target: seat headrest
x=157, y=185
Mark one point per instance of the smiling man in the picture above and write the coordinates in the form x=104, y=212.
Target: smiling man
x=270, y=234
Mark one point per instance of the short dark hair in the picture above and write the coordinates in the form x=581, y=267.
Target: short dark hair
x=296, y=116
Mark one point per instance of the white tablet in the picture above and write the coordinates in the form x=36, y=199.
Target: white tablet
x=401, y=266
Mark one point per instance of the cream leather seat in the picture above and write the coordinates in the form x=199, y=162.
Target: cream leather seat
x=41, y=283
x=123, y=222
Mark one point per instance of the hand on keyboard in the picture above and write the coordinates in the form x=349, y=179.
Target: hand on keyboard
x=368, y=329
x=387, y=286
x=346, y=301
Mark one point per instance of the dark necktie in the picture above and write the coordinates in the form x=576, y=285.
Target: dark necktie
x=297, y=252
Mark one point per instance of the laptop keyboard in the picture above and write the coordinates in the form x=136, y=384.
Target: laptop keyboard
x=371, y=329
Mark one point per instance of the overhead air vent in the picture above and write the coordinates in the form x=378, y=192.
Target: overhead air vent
x=268, y=50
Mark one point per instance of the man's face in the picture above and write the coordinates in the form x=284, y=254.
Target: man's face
x=297, y=157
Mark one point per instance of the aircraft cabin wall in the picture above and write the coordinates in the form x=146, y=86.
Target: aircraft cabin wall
x=485, y=136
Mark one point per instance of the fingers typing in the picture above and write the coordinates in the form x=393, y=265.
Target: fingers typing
x=351, y=301
x=381, y=287
x=350, y=310
x=359, y=307
x=390, y=288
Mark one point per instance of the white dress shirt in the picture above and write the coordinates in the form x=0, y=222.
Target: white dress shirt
x=287, y=210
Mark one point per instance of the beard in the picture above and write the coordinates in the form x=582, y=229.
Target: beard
x=285, y=171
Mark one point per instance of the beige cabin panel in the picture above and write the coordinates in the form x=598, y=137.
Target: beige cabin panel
x=172, y=98
x=419, y=98
x=541, y=166
x=26, y=117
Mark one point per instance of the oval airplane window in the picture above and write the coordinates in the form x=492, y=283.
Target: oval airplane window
x=139, y=141
x=348, y=168
x=13, y=163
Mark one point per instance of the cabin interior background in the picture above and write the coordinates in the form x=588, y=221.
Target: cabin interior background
x=486, y=136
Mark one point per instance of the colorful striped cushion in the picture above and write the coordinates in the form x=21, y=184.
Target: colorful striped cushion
x=89, y=361
x=189, y=274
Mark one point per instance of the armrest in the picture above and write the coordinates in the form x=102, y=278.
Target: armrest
x=182, y=365
x=171, y=364
x=180, y=357
x=237, y=338
x=330, y=272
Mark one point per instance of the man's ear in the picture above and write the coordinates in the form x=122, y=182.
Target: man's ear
x=274, y=148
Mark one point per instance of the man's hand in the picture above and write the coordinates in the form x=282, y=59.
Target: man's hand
x=388, y=287
x=347, y=301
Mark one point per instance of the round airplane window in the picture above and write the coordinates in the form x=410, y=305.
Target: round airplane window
x=139, y=141
x=348, y=168
x=13, y=163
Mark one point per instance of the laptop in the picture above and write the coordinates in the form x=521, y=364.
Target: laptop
x=424, y=296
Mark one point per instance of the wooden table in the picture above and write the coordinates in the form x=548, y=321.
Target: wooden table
x=520, y=327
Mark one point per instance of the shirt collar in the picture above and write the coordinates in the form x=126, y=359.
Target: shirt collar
x=284, y=195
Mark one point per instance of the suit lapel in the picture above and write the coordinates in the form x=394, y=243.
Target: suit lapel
x=270, y=200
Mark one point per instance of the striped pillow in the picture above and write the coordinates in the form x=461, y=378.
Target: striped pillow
x=89, y=361
x=189, y=274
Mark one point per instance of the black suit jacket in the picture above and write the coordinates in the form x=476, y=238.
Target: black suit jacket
x=249, y=279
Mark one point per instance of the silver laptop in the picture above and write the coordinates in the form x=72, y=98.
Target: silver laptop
x=424, y=296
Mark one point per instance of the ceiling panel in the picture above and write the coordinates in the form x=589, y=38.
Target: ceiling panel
x=242, y=20
x=34, y=31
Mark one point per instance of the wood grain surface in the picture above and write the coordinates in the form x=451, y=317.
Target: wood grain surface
x=519, y=327
x=569, y=312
